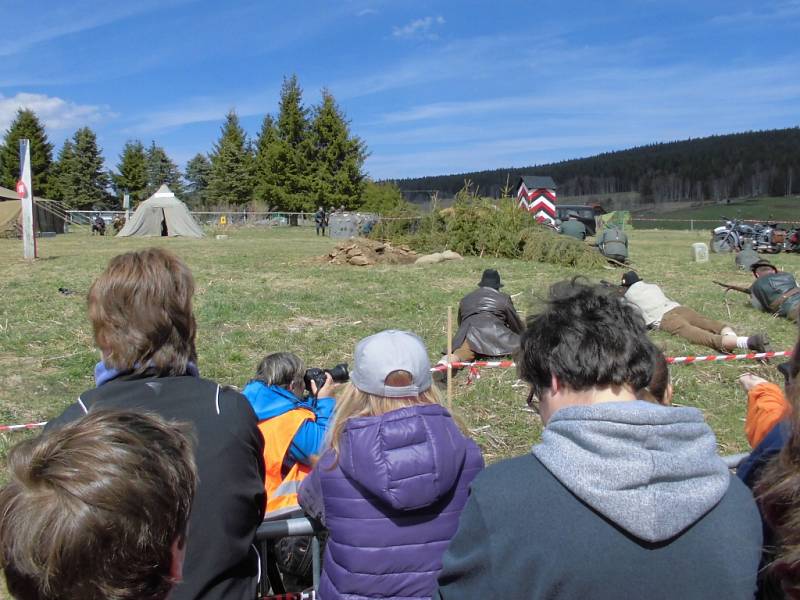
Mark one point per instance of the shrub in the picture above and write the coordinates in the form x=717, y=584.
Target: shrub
x=479, y=227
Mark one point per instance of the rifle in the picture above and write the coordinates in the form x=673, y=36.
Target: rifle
x=744, y=290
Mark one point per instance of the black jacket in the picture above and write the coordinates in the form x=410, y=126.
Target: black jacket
x=488, y=320
x=523, y=535
x=229, y=504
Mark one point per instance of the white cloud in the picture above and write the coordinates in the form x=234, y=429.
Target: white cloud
x=56, y=113
x=365, y=12
x=420, y=28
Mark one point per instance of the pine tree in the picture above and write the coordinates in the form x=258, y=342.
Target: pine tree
x=132, y=168
x=62, y=180
x=337, y=157
x=289, y=156
x=81, y=178
x=198, y=172
x=161, y=170
x=267, y=148
x=231, y=178
x=26, y=125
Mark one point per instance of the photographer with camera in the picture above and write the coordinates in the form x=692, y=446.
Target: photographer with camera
x=293, y=406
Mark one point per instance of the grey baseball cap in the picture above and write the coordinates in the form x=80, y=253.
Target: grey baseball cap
x=379, y=355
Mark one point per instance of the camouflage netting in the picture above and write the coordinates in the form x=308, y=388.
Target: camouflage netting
x=482, y=228
x=361, y=252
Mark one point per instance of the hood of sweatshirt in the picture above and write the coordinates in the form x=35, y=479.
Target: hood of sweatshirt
x=652, y=470
x=409, y=458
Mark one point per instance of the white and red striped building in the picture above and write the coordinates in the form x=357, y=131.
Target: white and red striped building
x=537, y=195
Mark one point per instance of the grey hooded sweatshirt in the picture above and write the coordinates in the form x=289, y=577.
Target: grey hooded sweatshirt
x=620, y=500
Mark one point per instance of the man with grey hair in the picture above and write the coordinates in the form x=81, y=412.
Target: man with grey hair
x=294, y=428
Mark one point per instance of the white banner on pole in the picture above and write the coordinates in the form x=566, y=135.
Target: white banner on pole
x=25, y=191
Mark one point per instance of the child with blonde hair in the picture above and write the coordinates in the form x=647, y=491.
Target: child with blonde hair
x=391, y=486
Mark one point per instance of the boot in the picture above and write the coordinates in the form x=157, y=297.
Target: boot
x=758, y=342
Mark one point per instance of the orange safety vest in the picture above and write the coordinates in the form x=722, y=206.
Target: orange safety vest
x=278, y=433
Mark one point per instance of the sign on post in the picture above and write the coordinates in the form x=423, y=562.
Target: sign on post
x=25, y=191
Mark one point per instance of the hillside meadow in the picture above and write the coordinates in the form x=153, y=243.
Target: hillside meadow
x=264, y=290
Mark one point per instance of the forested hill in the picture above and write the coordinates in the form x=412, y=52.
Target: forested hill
x=757, y=163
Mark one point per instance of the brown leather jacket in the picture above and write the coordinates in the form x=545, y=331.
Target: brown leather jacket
x=489, y=322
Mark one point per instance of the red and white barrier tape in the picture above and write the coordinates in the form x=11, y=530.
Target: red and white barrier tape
x=673, y=360
x=26, y=426
x=474, y=372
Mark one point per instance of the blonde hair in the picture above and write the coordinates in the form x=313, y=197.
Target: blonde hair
x=355, y=403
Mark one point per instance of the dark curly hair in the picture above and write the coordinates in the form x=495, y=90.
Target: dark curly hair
x=586, y=336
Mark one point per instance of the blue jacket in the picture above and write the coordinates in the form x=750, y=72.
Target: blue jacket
x=271, y=400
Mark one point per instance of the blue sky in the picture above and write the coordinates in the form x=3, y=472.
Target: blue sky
x=432, y=87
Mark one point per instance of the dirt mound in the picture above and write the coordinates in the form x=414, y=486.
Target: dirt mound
x=361, y=252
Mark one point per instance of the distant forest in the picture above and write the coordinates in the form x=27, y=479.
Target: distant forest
x=756, y=163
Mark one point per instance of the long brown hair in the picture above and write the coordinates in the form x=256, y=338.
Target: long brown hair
x=141, y=312
x=778, y=497
x=355, y=403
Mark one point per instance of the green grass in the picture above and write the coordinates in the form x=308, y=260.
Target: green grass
x=782, y=209
x=265, y=290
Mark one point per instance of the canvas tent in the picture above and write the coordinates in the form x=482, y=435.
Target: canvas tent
x=162, y=214
x=48, y=214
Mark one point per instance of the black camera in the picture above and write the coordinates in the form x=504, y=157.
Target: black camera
x=339, y=374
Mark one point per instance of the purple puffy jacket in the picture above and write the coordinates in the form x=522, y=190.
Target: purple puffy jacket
x=391, y=503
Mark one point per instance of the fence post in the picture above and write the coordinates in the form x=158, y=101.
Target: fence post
x=691, y=224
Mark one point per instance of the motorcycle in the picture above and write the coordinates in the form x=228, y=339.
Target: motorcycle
x=729, y=237
x=792, y=242
x=766, y=237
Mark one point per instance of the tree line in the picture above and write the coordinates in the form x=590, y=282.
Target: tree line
x=755, y=163
x=302, y=158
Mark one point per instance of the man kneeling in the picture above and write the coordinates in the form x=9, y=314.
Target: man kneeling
x=622, y=498
x=97, y=510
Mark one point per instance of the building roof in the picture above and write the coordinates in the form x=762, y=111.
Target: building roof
x=535, y=182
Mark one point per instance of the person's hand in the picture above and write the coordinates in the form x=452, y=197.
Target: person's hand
x=748, y=381
x=326, y=391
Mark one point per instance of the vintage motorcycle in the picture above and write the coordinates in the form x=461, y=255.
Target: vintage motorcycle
x=766, y=237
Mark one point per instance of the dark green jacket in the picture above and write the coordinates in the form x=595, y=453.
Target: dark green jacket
x=766, y=292
x=613, y=243
x=574, y=229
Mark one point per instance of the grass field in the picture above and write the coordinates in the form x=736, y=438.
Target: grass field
x=781, y=210
x=265, y=290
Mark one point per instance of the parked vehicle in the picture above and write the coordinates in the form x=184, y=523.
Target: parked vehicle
x=792, y=241
x=766, y=237
x=729, y=237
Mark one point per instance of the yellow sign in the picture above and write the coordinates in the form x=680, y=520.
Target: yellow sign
x=223, y=220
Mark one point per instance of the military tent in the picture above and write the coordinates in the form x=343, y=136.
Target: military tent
x=48, y=214
x=162, y=214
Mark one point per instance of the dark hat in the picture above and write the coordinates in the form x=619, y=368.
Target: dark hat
x=490, y=278
x=630, y=278
x=761, y=263
x=572, y=215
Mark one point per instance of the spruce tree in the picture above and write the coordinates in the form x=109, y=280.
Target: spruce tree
x=337, y=157
x=231, y=178
x=267, y=148
x=289, y=157
x=62, y=179
x=198, y=172
x=81, y=177
x=27, y=125
x=161, y=170
x=132, y=171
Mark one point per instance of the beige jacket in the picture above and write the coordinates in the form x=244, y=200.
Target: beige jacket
x=650, y=301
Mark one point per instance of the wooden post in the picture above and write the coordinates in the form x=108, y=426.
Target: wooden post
x=25, y=191
x=449, y=357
